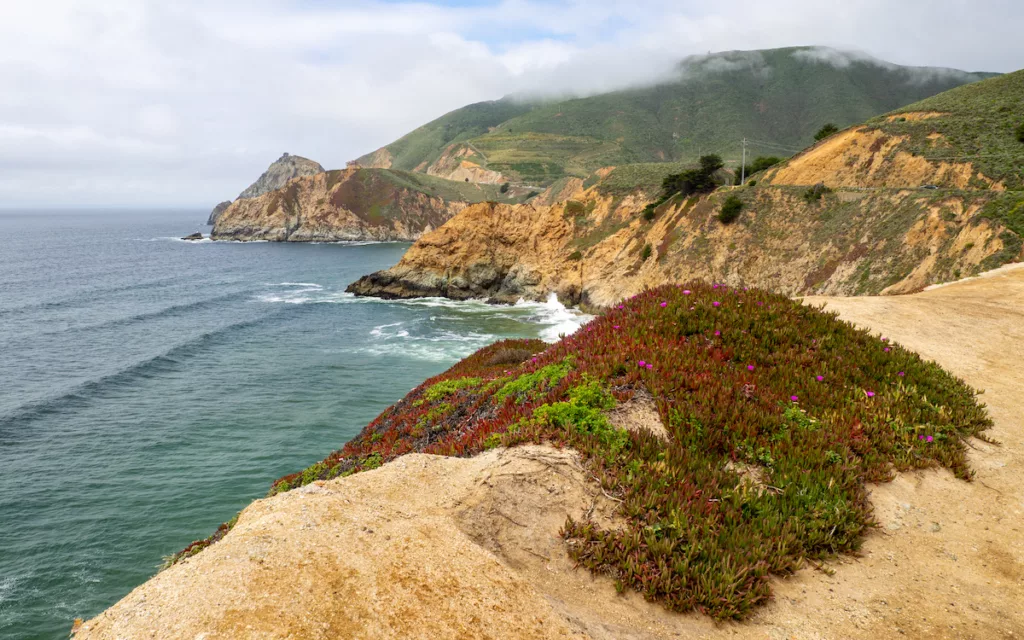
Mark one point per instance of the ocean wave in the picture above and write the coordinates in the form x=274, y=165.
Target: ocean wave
x=172, y=311
x=83, y=393
x=555, y=319
x=87, y=295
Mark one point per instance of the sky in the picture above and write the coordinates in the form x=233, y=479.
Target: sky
x=133, y=103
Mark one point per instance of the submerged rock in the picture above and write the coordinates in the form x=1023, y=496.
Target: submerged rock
x=193, y=236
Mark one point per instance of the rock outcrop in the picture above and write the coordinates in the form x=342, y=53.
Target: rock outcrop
x=279, y=173
x=219, y=209
x=353, y=204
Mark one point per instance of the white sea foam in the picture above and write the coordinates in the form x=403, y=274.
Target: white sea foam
x=6, y=588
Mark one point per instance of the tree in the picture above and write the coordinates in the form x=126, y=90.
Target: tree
x=692, y=181
x=760, y=164
x=504, y=187
x=826, y=131
x=1020, y=132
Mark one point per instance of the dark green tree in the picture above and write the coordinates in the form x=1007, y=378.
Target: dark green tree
x=826, y=131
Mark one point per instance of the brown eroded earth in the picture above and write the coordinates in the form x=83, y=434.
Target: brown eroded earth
x=434, y=547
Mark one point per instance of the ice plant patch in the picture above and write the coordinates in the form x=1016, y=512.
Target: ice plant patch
x=753, y=399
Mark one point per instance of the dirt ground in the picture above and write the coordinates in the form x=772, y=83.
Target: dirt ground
x=433, y=547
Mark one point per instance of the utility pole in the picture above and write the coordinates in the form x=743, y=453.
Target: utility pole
x=743, y=164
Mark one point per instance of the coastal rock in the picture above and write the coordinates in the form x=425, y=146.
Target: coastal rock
x=279, y=173
x=353, y=204
x=193, y=236
x=219, y=209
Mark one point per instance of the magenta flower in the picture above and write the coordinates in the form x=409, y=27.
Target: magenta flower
x=870, y=394
x=716, y=303
x=920, y=437
x=535, y=359
x=760, y=304
x=664, y=304
x=615, y=326
x=794, y=398
x=686, y=292
x=643, y=364
x=928, y=439
x=622, y=306
x=650, y=366
x=820, y=378
x=901, y=374
x=714, y=286
x=885, y=339
x=718, y=333
x=886, y=349
x=750, y=367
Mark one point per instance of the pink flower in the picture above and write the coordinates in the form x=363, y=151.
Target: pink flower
x=686, y=292
x=870, y=394
x=718, y=333
x=615, y=326
x=650, y=366
x=535, y=359
x=714, y=286
x=643, y=364
x=886, y=349
x=885, y=339
x=622, y=306
x=760, y=304
x=750, y=367
x=664, y=304
x=901, y=374
x=928, y=439
x=716, y=303
x=820, y=378
x=794, y=398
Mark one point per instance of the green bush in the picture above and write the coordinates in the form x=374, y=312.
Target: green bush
x=826, y=131
x=730, y=210
x=759, y=164
x=693, y=181
x=815, y=193
x=504, y=187
x=576, y=255
x=649, y=212
x=645, y=253
x=1020, y=132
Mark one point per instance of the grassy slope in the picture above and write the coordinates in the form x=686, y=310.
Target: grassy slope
x=747, y=384
x=768, y=95
x=978, y=127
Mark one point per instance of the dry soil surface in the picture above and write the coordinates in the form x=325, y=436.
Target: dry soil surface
x=433, y=547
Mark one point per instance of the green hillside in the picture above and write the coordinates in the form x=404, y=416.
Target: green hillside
x=780, y=97
x=979, y=123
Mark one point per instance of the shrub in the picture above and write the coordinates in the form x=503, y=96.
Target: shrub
x=575, y=208
x=650, y=212
x=815, y=193
x=532, y=195
x=509, y=356
x=645, y=253
x=730, y=210
x=576, y=255
x=504, y=187
x=826, y=131
x=1020, y=132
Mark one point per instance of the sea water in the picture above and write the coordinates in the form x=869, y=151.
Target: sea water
x=150, y=387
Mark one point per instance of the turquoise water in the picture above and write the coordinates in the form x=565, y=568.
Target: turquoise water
x=150, y=388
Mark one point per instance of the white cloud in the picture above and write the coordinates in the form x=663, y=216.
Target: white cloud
x=158, y=103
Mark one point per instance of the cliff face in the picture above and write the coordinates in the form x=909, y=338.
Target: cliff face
x=353, y=204
x=592, y=247
x=279, y=173
x=219, y=209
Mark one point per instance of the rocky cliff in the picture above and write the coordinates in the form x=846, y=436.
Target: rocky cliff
x=219, y=209
x=906, y=200
x=348, y=205
x=279, y=173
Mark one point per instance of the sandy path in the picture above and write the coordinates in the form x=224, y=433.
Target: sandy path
x=431, y=547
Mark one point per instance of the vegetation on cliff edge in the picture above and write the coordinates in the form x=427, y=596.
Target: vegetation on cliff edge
x=778, y=414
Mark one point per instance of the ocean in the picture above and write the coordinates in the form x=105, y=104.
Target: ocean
x=150, y=388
